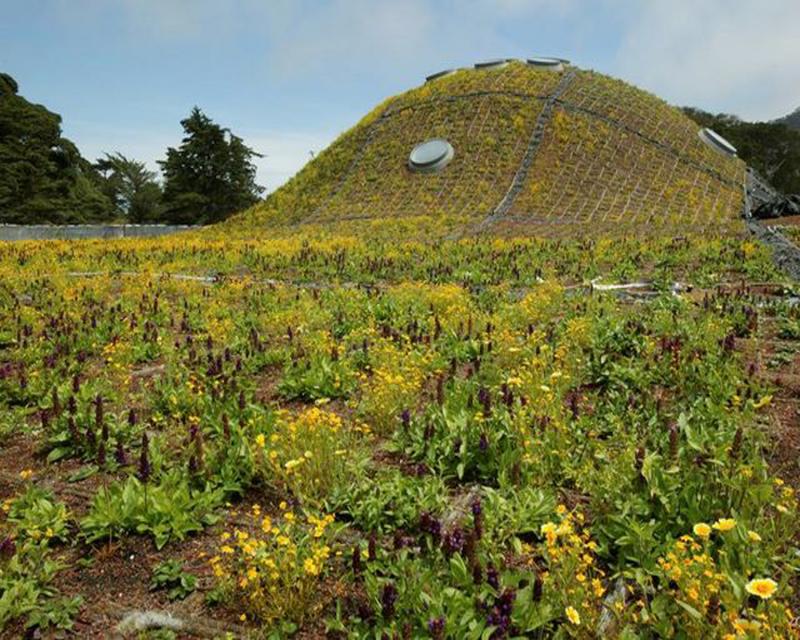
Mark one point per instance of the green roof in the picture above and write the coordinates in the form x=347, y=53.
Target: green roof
x=534, y=148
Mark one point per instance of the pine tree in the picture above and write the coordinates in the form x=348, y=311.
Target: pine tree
x=210, y=176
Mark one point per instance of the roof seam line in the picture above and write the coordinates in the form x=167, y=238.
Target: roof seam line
x=462, y=96
x=656, y=143
x=534, y=143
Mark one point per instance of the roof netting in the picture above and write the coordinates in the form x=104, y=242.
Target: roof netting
x=532, y=147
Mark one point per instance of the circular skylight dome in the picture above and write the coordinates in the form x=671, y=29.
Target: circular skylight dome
x=492, y=64
x=430, y=156
x=439, y=74
x=713, y=139
x=552, y=64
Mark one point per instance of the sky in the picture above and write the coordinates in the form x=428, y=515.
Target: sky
x=289, y=76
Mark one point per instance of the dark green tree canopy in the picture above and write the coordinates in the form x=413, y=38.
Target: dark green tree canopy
x=792, y=120
x=132, y=189
x=771, y=148
x=210, y=176
x=43, y=177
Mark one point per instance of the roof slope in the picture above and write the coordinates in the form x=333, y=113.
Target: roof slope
x=534, y=148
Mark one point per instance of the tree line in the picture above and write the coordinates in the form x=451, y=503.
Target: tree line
x=44, y=178
x=211, y=174
x=771, y=148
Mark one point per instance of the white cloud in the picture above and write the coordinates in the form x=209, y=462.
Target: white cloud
x=725, y=55
x=345, y=37
x=348, y=35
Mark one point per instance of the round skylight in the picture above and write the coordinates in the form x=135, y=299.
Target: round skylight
x=439, y=74
x=430, y=156
x=552, y=64
x=492, y=64
x=713, y=139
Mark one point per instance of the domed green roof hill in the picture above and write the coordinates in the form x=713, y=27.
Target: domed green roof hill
x=519, y=147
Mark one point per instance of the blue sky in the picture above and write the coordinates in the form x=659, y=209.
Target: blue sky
x=289, y=76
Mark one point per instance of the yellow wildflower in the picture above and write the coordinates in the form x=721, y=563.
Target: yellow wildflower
x=310, y=567
x=702, y=530
x=724, y=524
x=762, y=587
x=763, y=402
x=573, y=615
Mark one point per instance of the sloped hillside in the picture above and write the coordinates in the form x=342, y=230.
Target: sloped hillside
x=533, y=149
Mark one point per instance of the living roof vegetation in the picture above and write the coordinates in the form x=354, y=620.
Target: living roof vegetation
x=361, y=410
x=456, y=437
x=534, y=149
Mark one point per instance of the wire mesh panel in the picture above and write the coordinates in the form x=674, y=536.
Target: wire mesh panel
x=564, y=148
x=488, y=134
x=588, y=170
x=648, y=115
x=316, y=182
x=514, y=78
x=512, y=226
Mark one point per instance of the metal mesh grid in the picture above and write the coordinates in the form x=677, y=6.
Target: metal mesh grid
x=488, y=133
x=590, y=171
x=606, y=153
x=648, y=115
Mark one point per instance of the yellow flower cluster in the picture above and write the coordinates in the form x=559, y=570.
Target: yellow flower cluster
x=698, y=580
x=393, y=386
x=703, y=530
x=573, y=575
x=693, y=570
x=274, y=571
x=306, y=454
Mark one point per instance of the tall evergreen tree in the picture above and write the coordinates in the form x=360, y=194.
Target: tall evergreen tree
x=210, y=176
x=43, y=177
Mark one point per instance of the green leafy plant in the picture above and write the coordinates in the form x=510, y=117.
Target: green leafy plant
x=26, y=589
x=170, y=575
x=167, y=510
x=316, y=379
x=38, y=516
x=389, y=500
